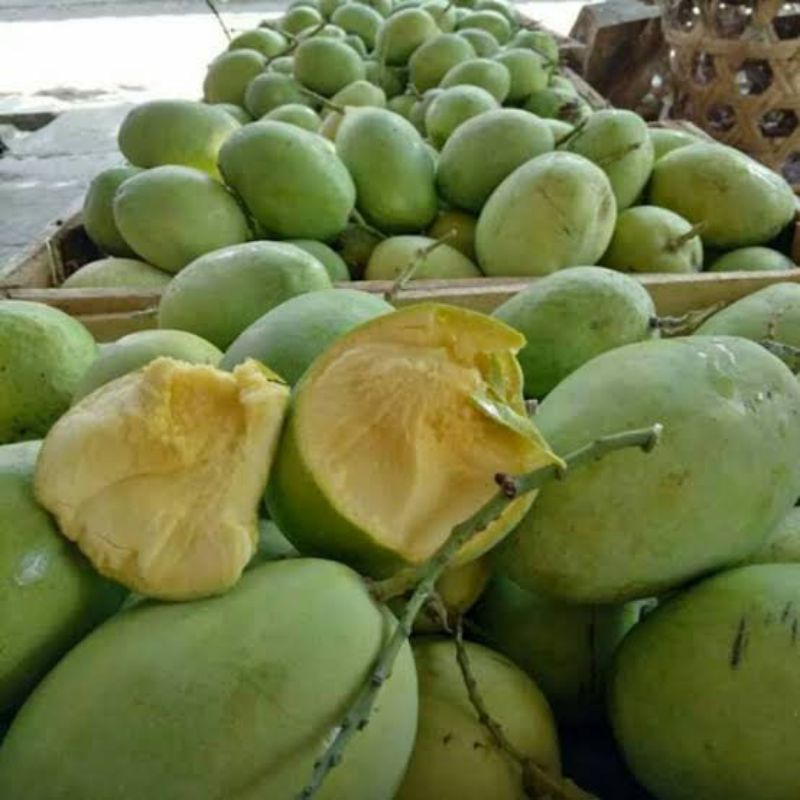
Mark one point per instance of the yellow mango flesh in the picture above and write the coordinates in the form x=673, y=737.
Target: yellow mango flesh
x=157, y=475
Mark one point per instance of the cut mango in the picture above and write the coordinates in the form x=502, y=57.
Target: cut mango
x=395, y=435
x=157, y=476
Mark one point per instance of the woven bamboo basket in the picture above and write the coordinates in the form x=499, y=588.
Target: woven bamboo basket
x=735, y=71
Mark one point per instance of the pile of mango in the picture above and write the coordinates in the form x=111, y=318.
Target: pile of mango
x=426, y=139
x=209, y=530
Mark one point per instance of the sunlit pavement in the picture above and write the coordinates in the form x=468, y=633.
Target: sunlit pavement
x=63, y=54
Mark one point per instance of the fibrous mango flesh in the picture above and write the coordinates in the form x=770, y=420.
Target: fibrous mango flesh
x=396, y=434
x=157, y=475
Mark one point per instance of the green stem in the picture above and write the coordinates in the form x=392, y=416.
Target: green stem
x=357, y=715
x=686, y=324
x=419, y=259
x=538, y=784
x=359, y=220
x=323, y=100
x=215, y=12
x=679, y=241
x=295, y=42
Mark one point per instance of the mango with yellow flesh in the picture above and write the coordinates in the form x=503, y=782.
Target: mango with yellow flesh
x=231, y=697
x=395, y=435
x=157, y=475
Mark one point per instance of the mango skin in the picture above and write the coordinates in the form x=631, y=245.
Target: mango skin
x=665, y=140
x=619, y=143
x=43, y=355
x=98, y=210
x=117, y=272
x=391, y=168
x=490, y=75
x=229, y=74
x=450, y=734
x=334, y=264
x=402, y=33
x=175, y=132
x=431, y=60
x=570, y=317
x=159, y=212
x=716, y=667
x=50, y=596
x=636, y=524
x=555, y=211
x=566, y=649
x=484, y=151
x=393, y=255
x=742, y=202
x=156, y=687
x=325, y=65
x=138, y=349
x=771, y=312
x=219, y=295
x=452, y=108
x=290, y=336
x=360, y=20
x=290, y=180
x=782, y=545
x=268, y=42
x=752, y=259
x=271, y=90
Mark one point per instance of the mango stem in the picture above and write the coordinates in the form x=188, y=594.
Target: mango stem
x=215, y=12
x=356, y=718
x=679, y=241
x=407, y=274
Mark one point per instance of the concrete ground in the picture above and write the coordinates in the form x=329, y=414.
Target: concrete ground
x=87, y=61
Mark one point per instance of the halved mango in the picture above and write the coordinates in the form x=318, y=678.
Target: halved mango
x=157, y=476
x=395, y=435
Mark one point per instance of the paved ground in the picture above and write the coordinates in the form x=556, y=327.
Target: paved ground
x=93, y=58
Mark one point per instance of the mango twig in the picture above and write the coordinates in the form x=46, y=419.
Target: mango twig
x=356, y=718
x=537, y=782
x=419, y=259
x=215, y=11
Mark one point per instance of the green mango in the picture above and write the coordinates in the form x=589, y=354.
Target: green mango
x=782, y=545
x=752, y=259
x=138, y=349
x=171, y=215
x=484, y=72
x=360, y=93
x=252, y=278
x=652, y=239
x=50, y=597
x=290, y=336
x=175, y=132
x=296, y=114
x=271, y=90
x=391, y=169
x=283, y=65
x=229, y=74
x=43, y=354
x=484, y=151
x=529, y=72
x=417, y=115
x=452, y=108
x=359, y=19
x=443, y=13
x=383, y=7
x=117, y=272
x=459, y=230
x=402, y=33
x=665, y=140
x=266, y=41
x=572, y=316
x=334, y=264
x=560, y=104
x=740, y=201
x=326, y=65
x=328, y=8
x=715, y=669
x=567, y=649
x=431, y=60
x=539, y=41
x=561, y=130
x=483, y=43
x=239, y=113
x=492, y=21
x=560, y=82
x=402, y=104
x=223, y=697
x=555, y=211
x=619, y=143
x=770, y=313
x=98, y=210
x=291, y=180
x=301, y=18
x=355, y=245
x=502, y=7
x=394, y=255
x=328, y=32
x=638, y=524
x=444, y=765
x=391, y=79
